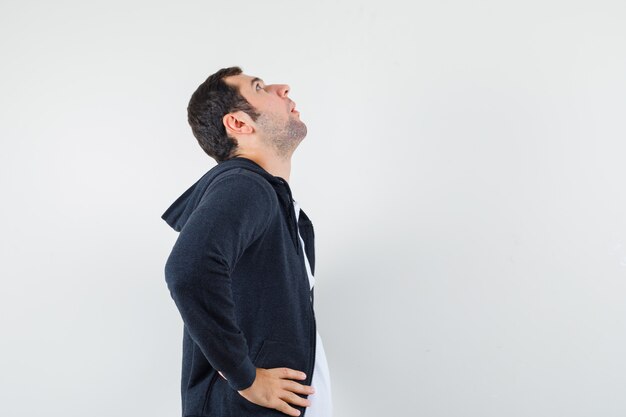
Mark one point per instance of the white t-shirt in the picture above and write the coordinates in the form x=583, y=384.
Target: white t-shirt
x=321, y=400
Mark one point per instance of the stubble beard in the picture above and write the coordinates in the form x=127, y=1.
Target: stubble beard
x=283, y=137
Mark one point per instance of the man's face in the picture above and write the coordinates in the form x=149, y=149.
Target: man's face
x=278, y=124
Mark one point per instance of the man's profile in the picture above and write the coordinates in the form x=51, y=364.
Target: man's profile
x=241, y=270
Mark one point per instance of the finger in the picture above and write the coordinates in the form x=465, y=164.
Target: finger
x=285, y=408
x=293, y=386
x=290, y=373
x=292, y=398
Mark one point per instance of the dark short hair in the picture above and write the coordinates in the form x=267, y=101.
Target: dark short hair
x=208, y=104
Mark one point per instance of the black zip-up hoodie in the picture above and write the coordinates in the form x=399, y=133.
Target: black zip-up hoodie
x=237, y=276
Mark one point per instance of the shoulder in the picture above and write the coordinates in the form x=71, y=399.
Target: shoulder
x=242, y=178
x=244, y=185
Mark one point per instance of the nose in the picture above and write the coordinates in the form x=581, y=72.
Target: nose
x=283, y=89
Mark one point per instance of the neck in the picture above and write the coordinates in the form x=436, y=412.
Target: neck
x=278, y=167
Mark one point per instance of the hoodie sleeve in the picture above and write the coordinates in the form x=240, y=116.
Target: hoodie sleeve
x=235, y=210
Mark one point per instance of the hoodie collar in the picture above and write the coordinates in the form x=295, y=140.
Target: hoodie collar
x=181, y=209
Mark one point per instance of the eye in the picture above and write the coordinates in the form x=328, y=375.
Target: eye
x=258, y=85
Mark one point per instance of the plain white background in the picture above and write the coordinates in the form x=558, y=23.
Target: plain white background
x=464, y=169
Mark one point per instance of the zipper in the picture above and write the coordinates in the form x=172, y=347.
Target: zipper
x=313, y=324
x=208, y=390
x=312, y=355
x=291, y=216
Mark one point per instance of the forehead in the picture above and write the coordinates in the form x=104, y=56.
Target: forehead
x=243, y=81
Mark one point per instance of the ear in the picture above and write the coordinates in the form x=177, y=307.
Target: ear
x=237, y=123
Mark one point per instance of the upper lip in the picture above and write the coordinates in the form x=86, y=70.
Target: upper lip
x=293, y=106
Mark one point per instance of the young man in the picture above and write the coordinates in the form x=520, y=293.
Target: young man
x=241, y=270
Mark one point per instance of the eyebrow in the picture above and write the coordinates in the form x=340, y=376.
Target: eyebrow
x=255, y=79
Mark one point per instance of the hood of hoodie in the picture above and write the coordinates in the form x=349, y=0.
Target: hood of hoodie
x=181, y=209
